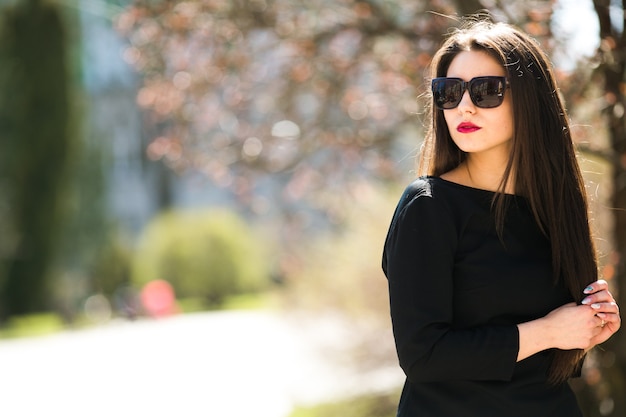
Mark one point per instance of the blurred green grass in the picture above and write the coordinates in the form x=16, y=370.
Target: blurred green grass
x=41, y=324
x=371, y=405
x=32, y=325
x=248, y=301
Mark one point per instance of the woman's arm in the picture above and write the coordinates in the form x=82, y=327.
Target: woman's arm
x=419, y=261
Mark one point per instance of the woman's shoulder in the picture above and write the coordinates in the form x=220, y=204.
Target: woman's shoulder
x=426, y=203
x=431, y=187
x=425, y=190
x=421, y=186
x=444, y=195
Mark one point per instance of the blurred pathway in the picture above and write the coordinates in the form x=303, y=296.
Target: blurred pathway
x=224, y=364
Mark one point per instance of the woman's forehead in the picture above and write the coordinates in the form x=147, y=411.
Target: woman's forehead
x=470, y=64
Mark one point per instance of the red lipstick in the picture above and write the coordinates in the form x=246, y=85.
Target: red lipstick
x=467, y=127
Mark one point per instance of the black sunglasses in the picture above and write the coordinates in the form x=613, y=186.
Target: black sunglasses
x=485, y=92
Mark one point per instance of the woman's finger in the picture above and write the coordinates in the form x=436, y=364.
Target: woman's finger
x=596, y=286
x=597, y=291
x=609, y=317
x=610, y=307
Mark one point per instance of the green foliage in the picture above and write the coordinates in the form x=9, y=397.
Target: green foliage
x=207, y=254
x=373, y=405
x=111, y=268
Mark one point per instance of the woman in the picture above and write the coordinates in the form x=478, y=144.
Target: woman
x=492, y=272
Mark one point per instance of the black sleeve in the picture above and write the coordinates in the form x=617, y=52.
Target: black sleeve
x=418, y=261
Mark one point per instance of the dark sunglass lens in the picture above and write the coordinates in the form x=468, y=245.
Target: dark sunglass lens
x=447, y=93
x=487, y=92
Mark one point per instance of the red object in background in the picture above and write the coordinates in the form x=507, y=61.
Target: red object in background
x=158, y=298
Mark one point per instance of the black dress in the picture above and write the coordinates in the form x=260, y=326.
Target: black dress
x=457, y=291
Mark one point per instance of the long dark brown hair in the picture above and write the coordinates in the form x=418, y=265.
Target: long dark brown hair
x=542, y=165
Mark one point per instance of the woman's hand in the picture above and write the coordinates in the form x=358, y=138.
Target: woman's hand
x=573, y=326
x=568, y=327
x=600, y=299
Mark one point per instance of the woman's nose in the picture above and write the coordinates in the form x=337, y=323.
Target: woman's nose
x=466, y=103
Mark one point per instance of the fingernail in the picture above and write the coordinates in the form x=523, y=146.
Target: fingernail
x=588, y=289
x=595, y=306
x=586, y=301
x=601, y=315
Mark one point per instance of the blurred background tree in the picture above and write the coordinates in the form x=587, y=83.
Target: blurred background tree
x=37, y=141
x=611, y=73
x=291, y=104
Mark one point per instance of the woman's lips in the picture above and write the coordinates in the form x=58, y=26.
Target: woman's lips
x=467, y=127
